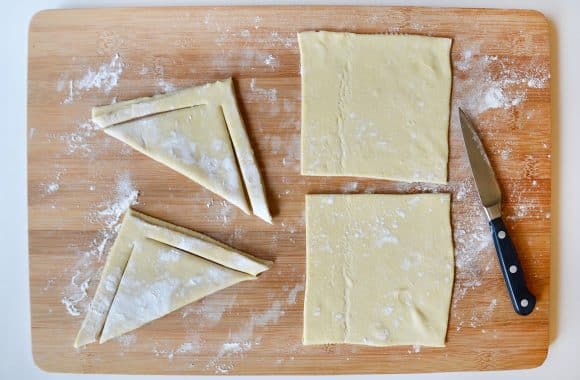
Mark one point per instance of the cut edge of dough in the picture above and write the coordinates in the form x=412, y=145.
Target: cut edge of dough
x=262, y=265
x=253, y=181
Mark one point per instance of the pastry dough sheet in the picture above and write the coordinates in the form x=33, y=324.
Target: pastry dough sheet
x=375, y=105
x=379, y=269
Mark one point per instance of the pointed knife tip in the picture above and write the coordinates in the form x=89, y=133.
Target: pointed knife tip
x=463, y=116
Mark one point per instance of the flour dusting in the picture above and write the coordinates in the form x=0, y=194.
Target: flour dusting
x=349, y=187
x=221, y=211
x=494, y=82
x=270, y=94
x=271, y=61
x=125, y=195
x=165, y=86
x=87, y=267
x=79, y=139
x=291, y=300
x=127, y=340
x=48, y=188
x=106, y=77
x=244, y=339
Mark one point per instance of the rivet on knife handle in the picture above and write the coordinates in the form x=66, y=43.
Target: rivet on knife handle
x=522, y=300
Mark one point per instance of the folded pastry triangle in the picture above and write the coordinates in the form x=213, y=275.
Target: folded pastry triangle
x=193, y=141
x=154, y=268
x=198, y=132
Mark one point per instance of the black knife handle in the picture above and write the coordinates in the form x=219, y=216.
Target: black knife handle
x=522, y=300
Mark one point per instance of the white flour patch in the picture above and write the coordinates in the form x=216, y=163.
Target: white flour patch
x=292, y=156
x=287, y=41
x=349, y=187
x=105, y=78
x=48, y=188
x=291, y=300
x=124, y=196
x=165, y=86
x=271, y=61
x=221, y=211
x=127, y=340
x=269, y=94
x=192, y=345
x=245, y=58
x=244, y=339
x=51, y=187
x=77, y=294
x=494, y=82
x=385, y=236
x=79, y=140
x=87, y=268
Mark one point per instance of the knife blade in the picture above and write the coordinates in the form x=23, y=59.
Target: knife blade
x=489, y=191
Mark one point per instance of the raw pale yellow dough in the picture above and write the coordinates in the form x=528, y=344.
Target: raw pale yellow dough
x=379, y=269
x=199, y=133
x=154, y=268
x=375, y=105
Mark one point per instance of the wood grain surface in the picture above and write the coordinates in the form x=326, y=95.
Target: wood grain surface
x=255, y=327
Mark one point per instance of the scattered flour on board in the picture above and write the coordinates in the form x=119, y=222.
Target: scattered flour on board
x=87, y=267
x=292, y=157
x=127, y=340
x=79, y=139
x=244, y=339
x=271, y=61
x=197, y=316
x=349, y=187
x=48, y=188
x=106, y=77
x=245, y=58
x=495, y=82
x=270, y=94
x=291, y=300
x=192, y=346
x=165, y=86
x=220, y=211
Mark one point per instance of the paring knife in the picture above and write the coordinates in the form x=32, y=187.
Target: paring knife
x=490, y=194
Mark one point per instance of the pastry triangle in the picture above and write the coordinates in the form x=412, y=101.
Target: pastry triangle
x=205, y=100
x=154, y=268
x=193, y=141
x=159, y=279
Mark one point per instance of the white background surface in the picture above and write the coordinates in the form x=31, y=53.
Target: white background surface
x=563, y=360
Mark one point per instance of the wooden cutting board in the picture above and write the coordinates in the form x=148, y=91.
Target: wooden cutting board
x=80, y=180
